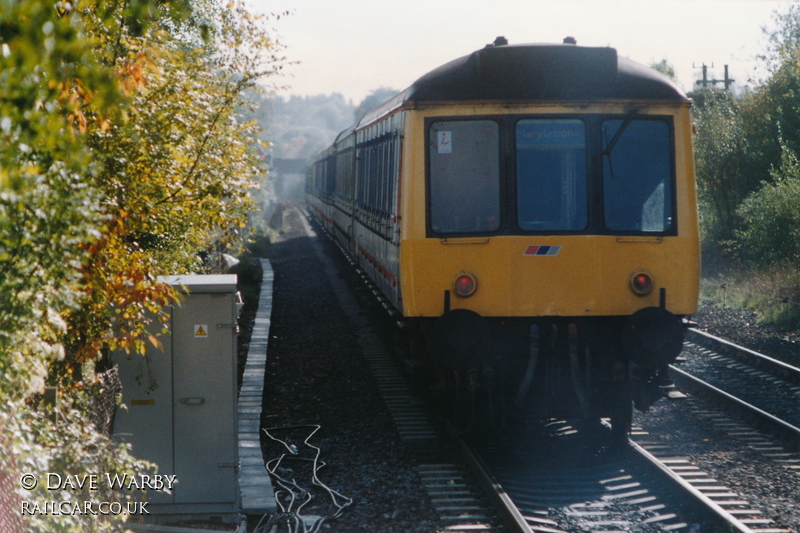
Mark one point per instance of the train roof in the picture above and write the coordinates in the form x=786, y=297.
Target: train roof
x=544, y=72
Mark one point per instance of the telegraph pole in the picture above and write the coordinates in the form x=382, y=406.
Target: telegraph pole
x=705, y=81
x=727, y=80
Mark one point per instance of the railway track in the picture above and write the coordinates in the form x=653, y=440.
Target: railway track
x=605, y=493
x=737, y=376
x=729, y=510
x=647, y=488
x=614, y=495
x=745, y=355
x=451, y=486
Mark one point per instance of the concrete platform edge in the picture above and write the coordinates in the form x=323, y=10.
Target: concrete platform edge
x=254, y=476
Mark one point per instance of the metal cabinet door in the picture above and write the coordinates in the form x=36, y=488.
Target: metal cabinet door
x=146, y=424
x=204, y=398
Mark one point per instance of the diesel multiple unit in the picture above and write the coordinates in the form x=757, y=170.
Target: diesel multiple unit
x=530, y=211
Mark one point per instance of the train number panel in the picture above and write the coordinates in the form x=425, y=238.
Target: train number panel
x=530, y=211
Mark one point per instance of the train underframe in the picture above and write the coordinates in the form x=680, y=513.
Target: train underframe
x=483, y=371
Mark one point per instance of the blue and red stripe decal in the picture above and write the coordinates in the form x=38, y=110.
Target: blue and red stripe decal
x=547, y=250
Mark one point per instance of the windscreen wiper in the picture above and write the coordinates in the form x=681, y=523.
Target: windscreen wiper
x=625, y=122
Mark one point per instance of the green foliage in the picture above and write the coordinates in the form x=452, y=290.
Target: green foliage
x=740, y=139
x=784, y=40
x=720, y=149
x=771, y=216
x=748, y=179
x=122, y=156
x=46, y=209
x=665, y=68
x=43, y=226
x=176, y=166
x=65, y=442
x=771, y=113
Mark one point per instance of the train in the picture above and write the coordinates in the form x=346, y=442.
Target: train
x=528, y=214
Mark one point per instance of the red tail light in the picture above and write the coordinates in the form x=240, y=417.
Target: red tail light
x=465, y=284
x=641, y=283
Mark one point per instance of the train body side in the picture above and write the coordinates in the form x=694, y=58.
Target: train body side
x=353, y=190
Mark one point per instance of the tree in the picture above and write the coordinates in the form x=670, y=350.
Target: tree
x=175, y=172
x=46, y=209
x=784, y=40
x=298, y=127
x=665, y=68
x=375, y=98
x=721, y=147
x=121, y=156
x=740, y=139
x=770, y=116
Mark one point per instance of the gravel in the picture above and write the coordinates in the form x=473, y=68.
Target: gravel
x=316, y=375
x=741, y=327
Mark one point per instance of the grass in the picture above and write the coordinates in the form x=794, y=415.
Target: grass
x=773, y=294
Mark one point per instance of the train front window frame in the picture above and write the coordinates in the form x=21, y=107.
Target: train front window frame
x=464, y=176
x=583, y=187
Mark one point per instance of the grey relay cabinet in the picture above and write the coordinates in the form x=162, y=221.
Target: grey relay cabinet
x=187, y=425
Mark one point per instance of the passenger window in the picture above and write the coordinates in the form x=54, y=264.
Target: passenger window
x=637, y=176
x=464, y=189
x=551, y=175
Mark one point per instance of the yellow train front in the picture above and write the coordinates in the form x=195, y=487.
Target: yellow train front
x=531, y=211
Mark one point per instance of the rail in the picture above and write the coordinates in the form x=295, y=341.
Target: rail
x=511, y=517
x=752, y=409
x=779, y=367
x=719, y=510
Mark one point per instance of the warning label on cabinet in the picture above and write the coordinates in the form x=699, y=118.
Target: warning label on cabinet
x=201, y=330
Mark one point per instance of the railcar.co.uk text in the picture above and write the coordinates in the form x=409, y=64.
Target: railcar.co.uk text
x=92, y=482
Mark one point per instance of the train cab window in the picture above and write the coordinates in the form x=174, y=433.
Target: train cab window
x=551, y=175
x=637, y=176
x=464, y=174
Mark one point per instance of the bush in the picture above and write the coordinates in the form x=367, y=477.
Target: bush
x=770, y=233
x=64, y=440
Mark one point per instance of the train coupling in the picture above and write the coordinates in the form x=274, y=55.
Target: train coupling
x=653, y=338
x=460, y=339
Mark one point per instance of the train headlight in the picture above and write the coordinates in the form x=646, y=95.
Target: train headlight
x=465, y=284
x=641, y=282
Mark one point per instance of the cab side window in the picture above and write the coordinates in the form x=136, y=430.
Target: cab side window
x=464, y=176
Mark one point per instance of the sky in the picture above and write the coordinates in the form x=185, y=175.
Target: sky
x=353, y=47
